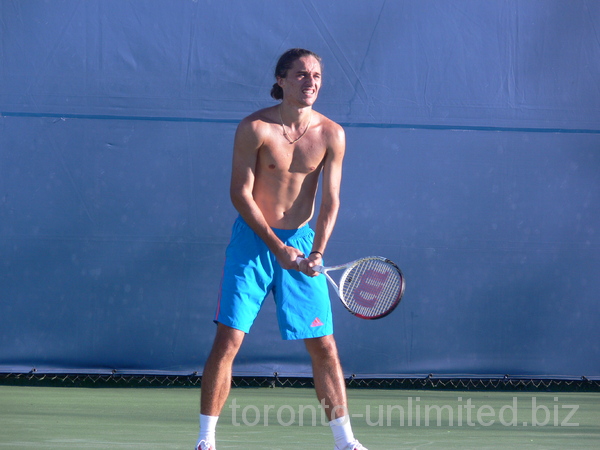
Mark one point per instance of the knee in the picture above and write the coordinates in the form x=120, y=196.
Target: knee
x=322, y=348
x=227, y=342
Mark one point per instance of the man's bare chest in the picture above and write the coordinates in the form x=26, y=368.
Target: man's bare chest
x=301, y=157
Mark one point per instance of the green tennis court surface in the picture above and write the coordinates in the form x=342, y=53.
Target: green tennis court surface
x=289, y=418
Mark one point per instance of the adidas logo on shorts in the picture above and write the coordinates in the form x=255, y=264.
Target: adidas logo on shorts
x=316, y=323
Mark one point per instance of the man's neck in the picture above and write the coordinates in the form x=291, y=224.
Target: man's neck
x=294, y=116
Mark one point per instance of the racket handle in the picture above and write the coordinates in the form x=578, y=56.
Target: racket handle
x=316, y=268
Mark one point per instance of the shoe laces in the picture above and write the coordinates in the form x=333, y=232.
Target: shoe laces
x=355, y=445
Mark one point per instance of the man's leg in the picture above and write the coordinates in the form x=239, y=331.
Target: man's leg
x=331, y=389
x=328, y=375
x=216, y=379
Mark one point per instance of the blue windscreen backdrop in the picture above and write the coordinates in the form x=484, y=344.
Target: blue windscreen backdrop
x=473, y=161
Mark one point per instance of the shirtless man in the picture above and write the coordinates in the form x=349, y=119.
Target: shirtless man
x=279, y=154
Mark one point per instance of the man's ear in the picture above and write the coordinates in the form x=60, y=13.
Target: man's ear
x=280, y=81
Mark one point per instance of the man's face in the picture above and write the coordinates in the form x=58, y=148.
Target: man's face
x=303, y=81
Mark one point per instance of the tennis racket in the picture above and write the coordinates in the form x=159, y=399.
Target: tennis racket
x=370, y=288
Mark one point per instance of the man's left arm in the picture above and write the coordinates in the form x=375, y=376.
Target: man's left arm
x=330, y=202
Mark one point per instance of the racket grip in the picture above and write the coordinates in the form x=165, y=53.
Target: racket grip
x=316, y=268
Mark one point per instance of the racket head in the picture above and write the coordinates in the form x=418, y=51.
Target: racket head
x=371, y=287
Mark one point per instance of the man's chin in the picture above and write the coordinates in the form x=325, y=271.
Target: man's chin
x=309, y=101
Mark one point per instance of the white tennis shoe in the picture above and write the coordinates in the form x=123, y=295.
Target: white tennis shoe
x=354, y=445
x=205, y=445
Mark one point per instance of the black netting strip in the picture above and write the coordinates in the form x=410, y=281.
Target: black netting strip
x=430, y=382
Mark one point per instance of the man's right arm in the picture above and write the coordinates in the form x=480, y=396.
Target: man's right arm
x=245, y=154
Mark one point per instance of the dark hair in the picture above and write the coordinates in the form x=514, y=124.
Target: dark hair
x=285, y=63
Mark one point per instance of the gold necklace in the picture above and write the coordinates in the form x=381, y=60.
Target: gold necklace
x=290, y=140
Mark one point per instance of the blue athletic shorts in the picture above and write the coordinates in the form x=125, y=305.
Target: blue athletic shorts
x=251, y=272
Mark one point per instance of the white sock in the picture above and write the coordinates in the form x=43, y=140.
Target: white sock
x=208, y=426
x=342, y=431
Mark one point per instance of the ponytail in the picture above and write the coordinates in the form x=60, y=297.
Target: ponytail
x=277, y=92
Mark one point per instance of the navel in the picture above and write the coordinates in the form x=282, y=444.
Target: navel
x=271, y=166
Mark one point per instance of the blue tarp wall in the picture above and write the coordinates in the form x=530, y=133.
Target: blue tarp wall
x=473, y=158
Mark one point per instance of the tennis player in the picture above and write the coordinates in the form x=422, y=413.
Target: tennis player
x=279, y=155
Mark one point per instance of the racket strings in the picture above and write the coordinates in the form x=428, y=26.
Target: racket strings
x=372, y=287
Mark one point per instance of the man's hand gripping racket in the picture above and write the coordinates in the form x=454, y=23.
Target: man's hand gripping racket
x=370, y=288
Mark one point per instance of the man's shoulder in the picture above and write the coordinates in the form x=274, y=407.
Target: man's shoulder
x=330, y=123
x=262, y=116
x=257, y=125
x=330, y=127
